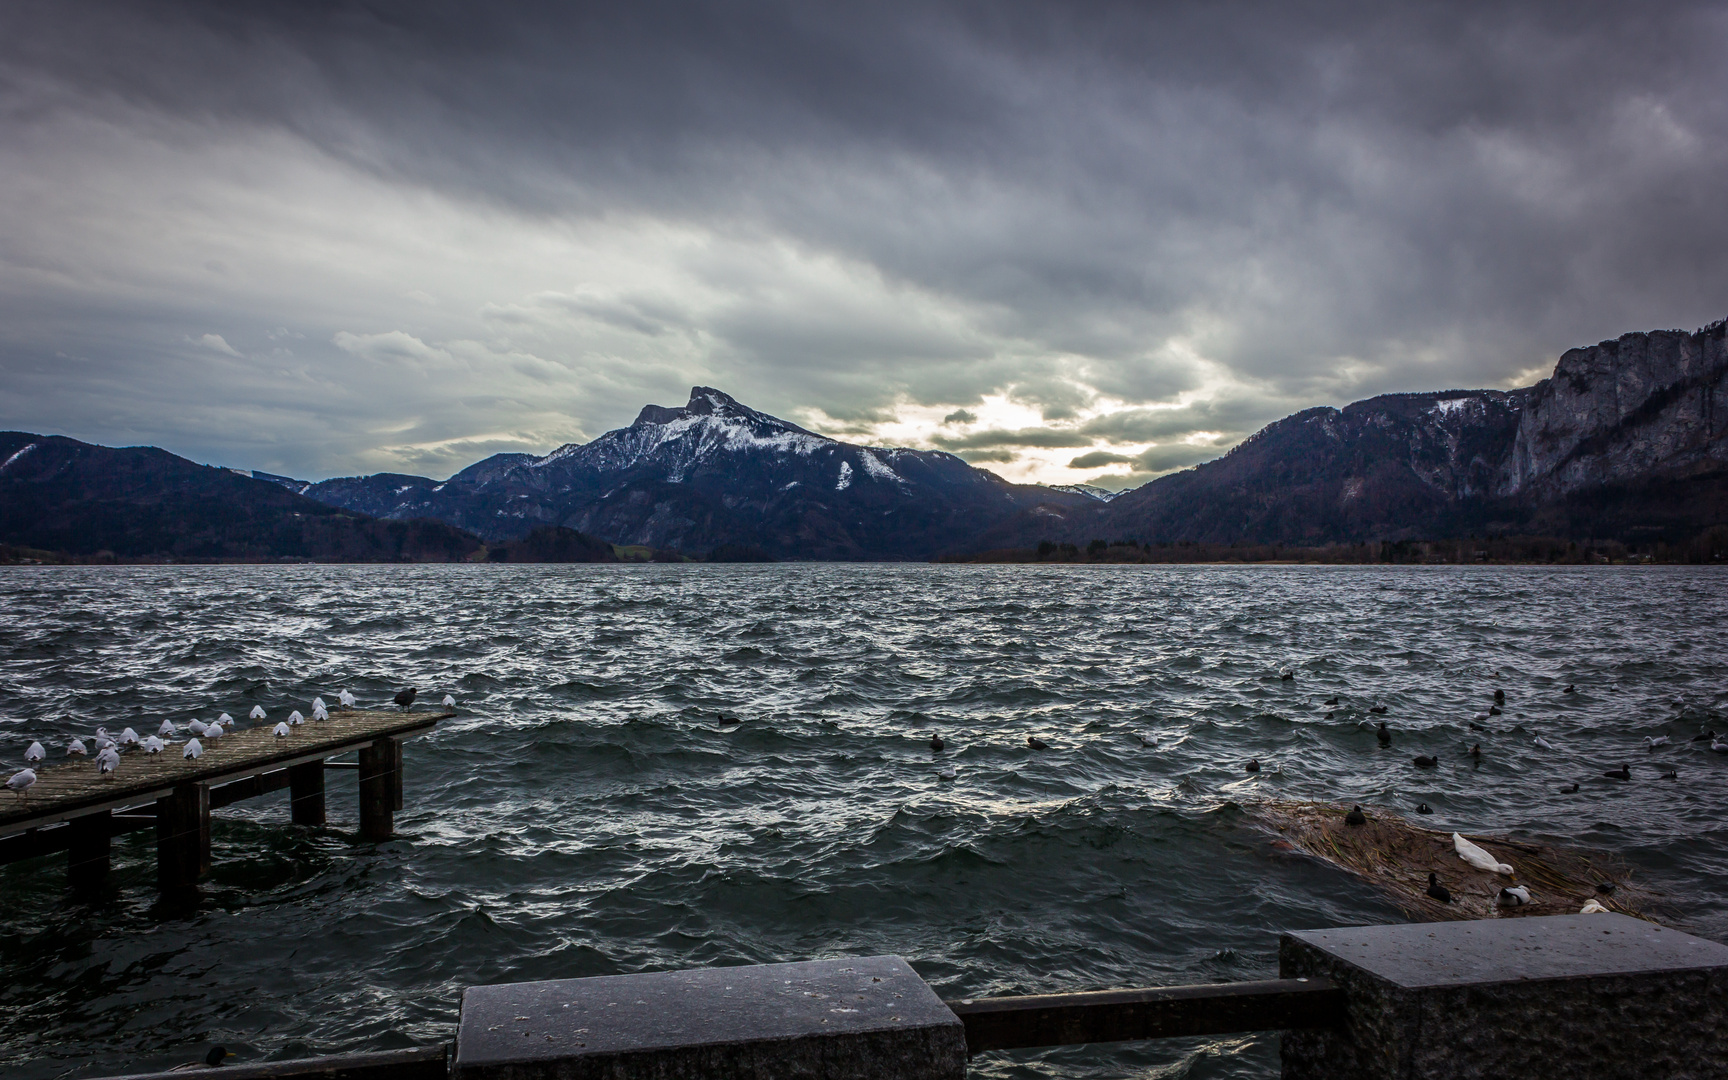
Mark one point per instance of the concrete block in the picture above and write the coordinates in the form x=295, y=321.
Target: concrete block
x=821, y=1020
x=1603, y=996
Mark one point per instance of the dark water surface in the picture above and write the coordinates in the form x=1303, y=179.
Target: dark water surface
x=585, y=815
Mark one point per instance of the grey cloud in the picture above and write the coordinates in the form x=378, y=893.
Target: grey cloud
x=1097, y=459
x=980, y=457
x=1040, y=437
x=1322, y=201
x=960, y=416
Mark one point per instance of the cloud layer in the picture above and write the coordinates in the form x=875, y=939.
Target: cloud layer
x=1073, y=242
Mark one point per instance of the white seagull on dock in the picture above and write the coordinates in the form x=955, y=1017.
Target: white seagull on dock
x=318, y=704
x=1478, y=858
x=449, y=702
x=214, y=731
x=257, y=712
x=197, y=726
x=76, y=748
x=320, y=714
x=34, y=753
x=193, y=748
x=107, y=761
x=128, y=738
x=166, y=730
x=225, y=720
x=295, y=718
x=345, y=699
x=280, y=730
x=153, y=745
x=21, y=781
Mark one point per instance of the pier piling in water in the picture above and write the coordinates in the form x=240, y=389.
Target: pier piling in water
x=73, y=808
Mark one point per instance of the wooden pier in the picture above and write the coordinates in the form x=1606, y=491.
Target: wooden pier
x=73, y=808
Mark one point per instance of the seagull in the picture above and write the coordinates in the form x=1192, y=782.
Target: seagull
x=21, y=781
x=1036, y=743
x=34, y=753
x=128, y=738
x=194, y=748
x=1423, y=761
x=1146, y=740
x=295, y=718
x=405, y=698
x=1356, y=817
x=345, y=699
x=1544, y=743
x=1383, y=735
x=1478, y=858
x=167, y=729
x=1424, y=808
x=1514, y=896
x=1287, y=674
x=947, y=772
x=75, y=748
x=228, y=721
x=197, y=726
x=449, y=701
x=318, y=703
x=937, y=745
x=1719, y=746
x=280, y=730
x=1624, y=772
x=153, y=745
x=107, y=761
x=1573, y=790
x=103, y=742
x=1252, y=766
x=257, y=713
x=320, y=713
x=1653, y=741
x=1437, y=890
x=214, y=731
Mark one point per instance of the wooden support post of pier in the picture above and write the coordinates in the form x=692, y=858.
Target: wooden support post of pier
x=306, y=793
x=88, y=853
x=183, y=836
x=395, y=773
x=378, y=782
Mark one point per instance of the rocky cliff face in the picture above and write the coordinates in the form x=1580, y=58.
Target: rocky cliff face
x=1640, y=407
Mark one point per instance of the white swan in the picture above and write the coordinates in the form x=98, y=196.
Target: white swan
x=34, y=753
x=280, y=731
x=194, y=749
x=1478, y=858
x=257, y=713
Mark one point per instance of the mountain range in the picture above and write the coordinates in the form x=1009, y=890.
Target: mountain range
x=1623, y=441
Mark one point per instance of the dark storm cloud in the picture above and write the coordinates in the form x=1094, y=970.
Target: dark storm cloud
x=529, y=219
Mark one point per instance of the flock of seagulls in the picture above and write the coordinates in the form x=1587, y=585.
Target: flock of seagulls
x=108, y=747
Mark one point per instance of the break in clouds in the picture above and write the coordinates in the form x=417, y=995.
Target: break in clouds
x=1068, y=242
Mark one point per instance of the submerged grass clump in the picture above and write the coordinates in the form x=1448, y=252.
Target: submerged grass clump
x=1396, y=856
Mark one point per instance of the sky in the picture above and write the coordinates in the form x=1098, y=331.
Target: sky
x=1070, y=242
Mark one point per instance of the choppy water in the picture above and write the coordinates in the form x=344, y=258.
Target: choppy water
x=585, y=815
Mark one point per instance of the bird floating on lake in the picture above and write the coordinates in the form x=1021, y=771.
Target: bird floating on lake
x=194, y=749
x=1592, y=907
x=1330, y=701
x=449, y=701
x=1474, y=726
x=1499, y=697
x=1355, y=817
x=34, y=753
x=1252, y=766
x=1570, y=689
x=153, y=745
x=1572, y=790
x=1423, y=761
x=1544, y=743
x=1513, y=896
x=1328, y=716
x=1704, y=736
x=1378, y=710
x=295, y=719
x=1424, y=808
x=937, y=745
x=345, y=699
x=947, y=772
x=1036, y=743
x=405, y=697
x=1475, y=751
x=21, y=781
x=280, y=730
x=167, y=729
x=76, y=748
x=1145, y=740
x=1383, y=735
x=1624, y=772
x=1719, y=746
x=1287, y=674
x=1653, y=741
x=728, y=721
x=1671, y=774
x=1479, y=858
x=107, y=761
x=257, y=713
x=1437, y=890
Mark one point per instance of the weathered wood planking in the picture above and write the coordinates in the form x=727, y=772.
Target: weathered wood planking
x=69, y=790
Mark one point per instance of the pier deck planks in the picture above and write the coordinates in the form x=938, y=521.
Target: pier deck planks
x=71, y=790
